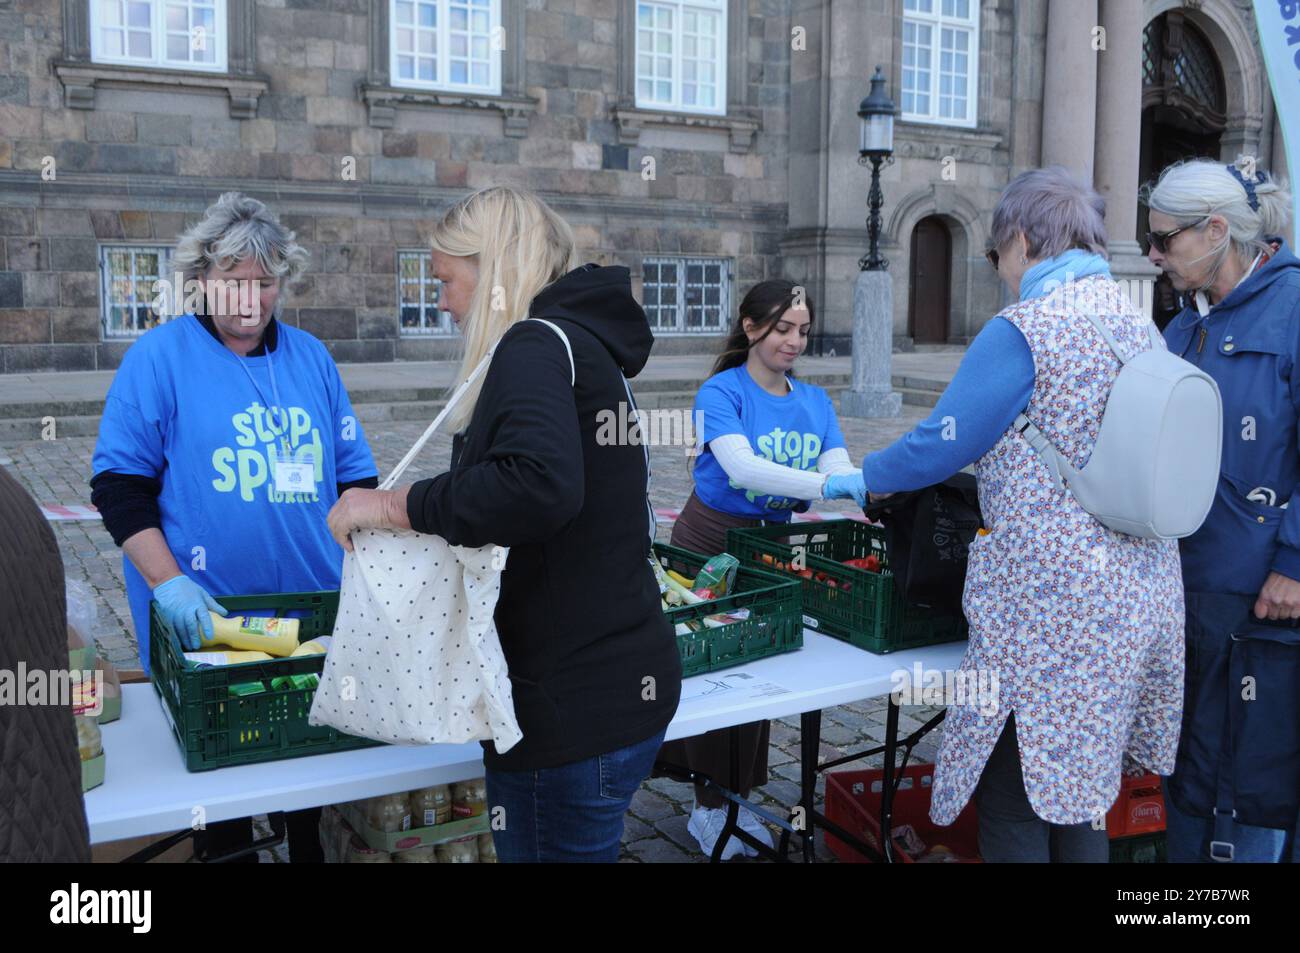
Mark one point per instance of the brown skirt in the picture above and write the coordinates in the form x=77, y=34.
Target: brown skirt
x=704, y=530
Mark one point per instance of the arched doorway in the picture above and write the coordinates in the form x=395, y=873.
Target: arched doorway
x=1183, y=114
x=929, y=295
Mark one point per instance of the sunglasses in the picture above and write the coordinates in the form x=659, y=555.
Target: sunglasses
x=1160, y=240
x=992, y=256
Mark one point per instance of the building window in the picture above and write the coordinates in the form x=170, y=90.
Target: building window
x=175, y=34
x=940, y=61
x=128, y=276
x=418, y=296
x=691, y=295
x=447, y=45
x=681, y=55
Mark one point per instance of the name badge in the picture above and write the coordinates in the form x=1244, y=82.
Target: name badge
x=295, y=477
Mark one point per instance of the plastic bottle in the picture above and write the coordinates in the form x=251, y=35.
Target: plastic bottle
x=274, y=636
x=206, y=659
x=317, y=646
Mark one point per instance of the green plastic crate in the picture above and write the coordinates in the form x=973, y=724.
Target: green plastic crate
x=1142, y=849
x=775, y=622
x=862, y=608
x=215, y=730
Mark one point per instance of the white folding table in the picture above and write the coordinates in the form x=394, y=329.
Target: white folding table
x=147, y=789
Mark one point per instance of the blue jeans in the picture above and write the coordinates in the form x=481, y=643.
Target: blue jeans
x=1188, y=840
x=568, y=814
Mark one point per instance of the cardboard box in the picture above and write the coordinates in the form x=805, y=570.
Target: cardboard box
x=92, y=773
x=416, y=836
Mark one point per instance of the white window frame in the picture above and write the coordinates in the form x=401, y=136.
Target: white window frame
x=158, y=33
x=720, y=65
x=683, y=262
x=442, y=81
x=164, y=253
x=445, y=325
x=936, y=20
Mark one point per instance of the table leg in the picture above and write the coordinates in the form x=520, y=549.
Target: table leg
x=810, y=742
x=887, y=786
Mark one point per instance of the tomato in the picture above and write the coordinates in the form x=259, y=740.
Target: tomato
x=768, y=559
x=805, y=573
x=868, y=563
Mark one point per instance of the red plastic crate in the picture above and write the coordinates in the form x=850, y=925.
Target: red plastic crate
x=1139, y=809
x=853, y=802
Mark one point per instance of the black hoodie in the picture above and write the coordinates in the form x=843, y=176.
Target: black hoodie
x=593, y=662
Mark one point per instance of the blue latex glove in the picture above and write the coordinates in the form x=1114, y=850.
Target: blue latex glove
x=185, y=604
x=846, y=486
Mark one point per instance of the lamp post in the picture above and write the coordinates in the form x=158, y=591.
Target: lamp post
x=876, y=117
x=873, y=294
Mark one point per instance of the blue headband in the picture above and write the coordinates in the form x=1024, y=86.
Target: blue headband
x=1247, y=185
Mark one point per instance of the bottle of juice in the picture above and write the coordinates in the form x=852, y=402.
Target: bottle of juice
x=278, y=637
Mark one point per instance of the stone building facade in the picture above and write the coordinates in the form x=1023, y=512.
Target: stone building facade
x=706, y=144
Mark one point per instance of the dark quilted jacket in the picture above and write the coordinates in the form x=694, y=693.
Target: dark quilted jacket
x=42, y=816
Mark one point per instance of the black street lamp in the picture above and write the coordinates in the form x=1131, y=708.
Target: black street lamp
x=877, y=146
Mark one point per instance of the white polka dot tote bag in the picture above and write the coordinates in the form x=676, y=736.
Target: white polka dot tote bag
x=415, y=657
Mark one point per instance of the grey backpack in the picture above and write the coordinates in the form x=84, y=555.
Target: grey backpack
x=1155, y=466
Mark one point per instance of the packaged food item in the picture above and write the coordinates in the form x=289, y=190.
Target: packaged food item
x=718, y=574
x=274, y=636
x=463, y=851
x=244, y=689
x=90, y=744
x=487, y=850
x=430, y=806
x=469, y=799
x=359, y=853
x=416, y=855
x=390, y=813
x=295, y=682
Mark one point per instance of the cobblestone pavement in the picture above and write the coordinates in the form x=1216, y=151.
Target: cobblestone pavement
x=57, y=472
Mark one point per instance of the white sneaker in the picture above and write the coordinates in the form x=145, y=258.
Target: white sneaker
x=706, y=825
x=748, y=822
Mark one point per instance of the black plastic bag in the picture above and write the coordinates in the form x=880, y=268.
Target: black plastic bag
x=927, y=535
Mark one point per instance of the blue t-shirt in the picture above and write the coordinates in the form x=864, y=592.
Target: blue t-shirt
x=183, y=411
x=793, y=431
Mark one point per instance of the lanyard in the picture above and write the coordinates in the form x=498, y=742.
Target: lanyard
x=278, y=406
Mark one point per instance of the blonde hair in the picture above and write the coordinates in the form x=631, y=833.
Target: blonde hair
x=521, y=245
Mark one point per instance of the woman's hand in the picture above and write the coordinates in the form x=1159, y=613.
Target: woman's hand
x=185, y=605
x=367, y=509
x=1279, y=599
x=845, y=486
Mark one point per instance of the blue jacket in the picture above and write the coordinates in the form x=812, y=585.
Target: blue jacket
x=1250, y=344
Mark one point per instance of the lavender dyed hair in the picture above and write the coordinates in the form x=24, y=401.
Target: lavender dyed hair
x=1055, y=210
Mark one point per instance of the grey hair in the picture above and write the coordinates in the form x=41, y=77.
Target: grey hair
x=1193, y=190
x=1055, y=210
x=234, y=228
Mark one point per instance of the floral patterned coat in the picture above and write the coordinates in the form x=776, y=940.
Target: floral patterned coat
x=1082, y=627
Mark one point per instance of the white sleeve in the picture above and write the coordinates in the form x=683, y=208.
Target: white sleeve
x=741, y=464
x=836, y=461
